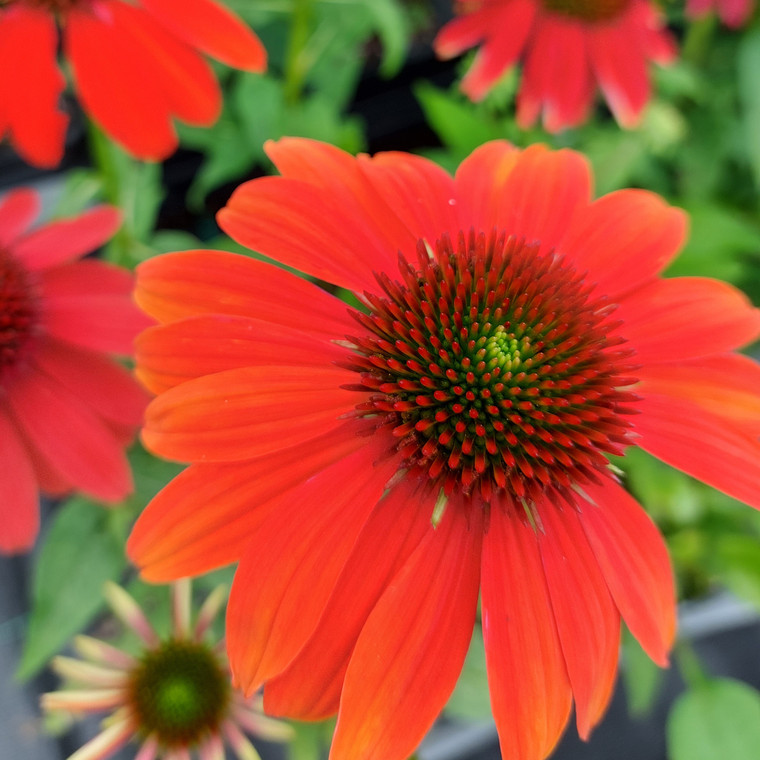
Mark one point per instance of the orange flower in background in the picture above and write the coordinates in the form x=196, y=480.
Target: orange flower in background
x=567, y=49
x=375, y=468
x=67, y=411
x=733, y=13
x=136, y=66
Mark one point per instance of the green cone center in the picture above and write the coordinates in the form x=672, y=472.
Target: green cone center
x=180, y=693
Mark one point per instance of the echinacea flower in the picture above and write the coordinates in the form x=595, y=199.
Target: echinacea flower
x=376, y=467
x=67, y=410
x=733, y=13
x=174, y=697
x=567, y=48
x=136, y=66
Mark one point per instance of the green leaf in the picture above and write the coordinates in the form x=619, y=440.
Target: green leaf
x=737, y=560
x=81, y=189
x=165, y=241
x=392, y=27
x=641, y=677
x=83, y=548
x=720, y=719
x=470, y=699
x=748, y=64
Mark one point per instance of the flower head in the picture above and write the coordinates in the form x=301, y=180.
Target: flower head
x=733, y=13
x=374, y=468
x=136, y=67
x=567, y=47
x=174, y=697
x=67, y=410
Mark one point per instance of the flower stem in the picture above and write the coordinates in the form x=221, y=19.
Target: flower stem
x=689, y=665
x=295, y=66
x=698, y=39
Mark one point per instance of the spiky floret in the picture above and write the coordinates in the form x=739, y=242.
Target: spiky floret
x=18, y=312
x=496, y=367
x=588, y=10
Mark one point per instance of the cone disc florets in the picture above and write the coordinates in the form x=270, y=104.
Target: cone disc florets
x=589, y=11
x=179, y=693
x=17, y=311
x=495, y=367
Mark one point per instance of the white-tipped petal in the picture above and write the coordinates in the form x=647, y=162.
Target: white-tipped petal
x=148, y=749
x=260, y=725
x=106, y=742
x=239, y=742
x=129, y=612
x=181, y=604
x=213, y=749
x=84, y=700
x=209, y=610
x=99, y=651
x=87, y=673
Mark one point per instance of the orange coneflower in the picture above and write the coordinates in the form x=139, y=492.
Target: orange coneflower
x=375, y=467
x=136, y=66
x=67, y=411
x=567, y=47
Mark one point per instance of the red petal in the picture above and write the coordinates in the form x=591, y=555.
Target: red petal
x=302, y=226
x=505, y=42
x=620, y=66
x=179, y=285
x=19, y=507
x=634, y=561
x=213, y=29
x=625, y=239
x=117, y=88
x=203, y=518
x=556, y=76
x=310, y=687
x=292, y=562
x=168, y=355
x=18, y=209
x=686, y=317
x=29, y=97
x=543, y=193
x=480, y=181
x=71, y=435
x=410, y=652
x=248, y=412
x=465, y=31
x=186, y=80
x=702, y=443
x=62, y=241
x=98, y=382
x=587, y=621
x=527, y=679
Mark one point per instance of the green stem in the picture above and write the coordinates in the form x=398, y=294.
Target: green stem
x=698, y=39
x=295, y=65
x=690, y=665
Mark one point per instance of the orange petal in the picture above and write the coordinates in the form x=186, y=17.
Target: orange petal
x=686, y=317
x=247, y=412
x=213, y=29
x=587, y=621
x=309, y=689
x=178, y=285
x=302, y=226
x=202, y=518
x=527, y=679
x=727, y=385
x=410, y=652
x=118, y=89
x=29, y=97
x=19, y=506
x=168, y=355
x=625, y=239
x=702, y=443
x=634, y=561
x=292, y=562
